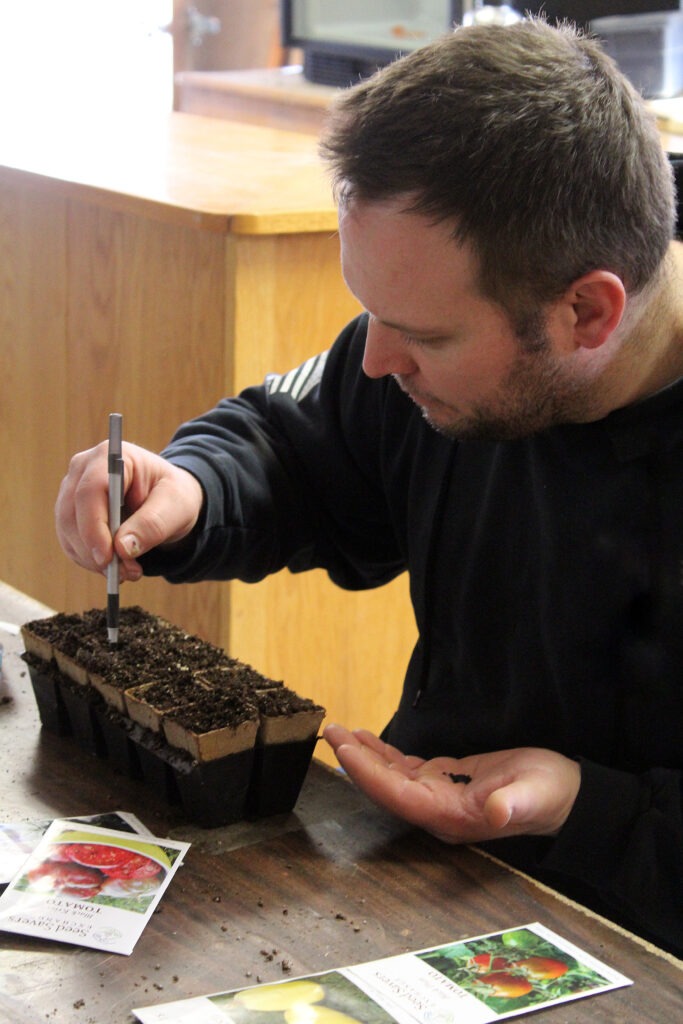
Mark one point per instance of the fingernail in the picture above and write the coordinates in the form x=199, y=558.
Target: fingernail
x=131, y=545
x=99, y=557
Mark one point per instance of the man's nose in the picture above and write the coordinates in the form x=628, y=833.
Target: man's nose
x=385, y=351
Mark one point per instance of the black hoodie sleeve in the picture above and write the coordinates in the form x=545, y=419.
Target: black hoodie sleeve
x=620, y=852
x=287, y=480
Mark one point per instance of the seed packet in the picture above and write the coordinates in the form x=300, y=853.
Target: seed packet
x=471, y=981
x=90, y=886
x=18, y=839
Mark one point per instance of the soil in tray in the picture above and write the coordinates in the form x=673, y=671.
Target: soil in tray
x=212, y=762
x=42, y=635
x=282, y=701
x=148, y=703
x=225, y=674
x=219, y=710
x=223, y=722
x=148, y=649
x=286, y=717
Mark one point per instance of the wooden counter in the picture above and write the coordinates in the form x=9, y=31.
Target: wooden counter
x=151, y=269
x=279, y=97
x=334, y=883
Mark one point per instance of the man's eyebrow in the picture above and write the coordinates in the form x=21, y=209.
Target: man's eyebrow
x=419, y=332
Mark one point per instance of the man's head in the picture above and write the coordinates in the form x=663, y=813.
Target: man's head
x=455, y=353
x=529, y=144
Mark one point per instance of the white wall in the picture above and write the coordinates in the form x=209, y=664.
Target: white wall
x=93, y=56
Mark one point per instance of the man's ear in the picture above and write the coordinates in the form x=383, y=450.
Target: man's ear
x=598, y=300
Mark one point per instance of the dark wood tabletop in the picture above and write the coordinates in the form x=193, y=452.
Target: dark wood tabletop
x=334, y=883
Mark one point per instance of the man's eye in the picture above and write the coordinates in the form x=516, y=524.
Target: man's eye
x=410, y=339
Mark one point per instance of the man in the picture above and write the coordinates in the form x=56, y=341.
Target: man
x=506, y=423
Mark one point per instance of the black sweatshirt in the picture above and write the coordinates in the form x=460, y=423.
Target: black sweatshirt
x=546, y=576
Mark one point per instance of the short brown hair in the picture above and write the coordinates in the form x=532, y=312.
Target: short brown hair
x=530, y=140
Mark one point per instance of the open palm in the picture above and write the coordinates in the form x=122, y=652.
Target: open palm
x=461, y=800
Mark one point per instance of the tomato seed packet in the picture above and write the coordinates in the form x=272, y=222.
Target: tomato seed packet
x=18, y=839
x=90, y=886
x=471, y=981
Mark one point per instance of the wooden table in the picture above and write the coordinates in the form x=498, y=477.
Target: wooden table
x=334, y=883
x=151, y=269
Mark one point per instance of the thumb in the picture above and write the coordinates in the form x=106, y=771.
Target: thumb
x=167, y=515
x=524, y=806
x=128, y=543
x=499, y=807
x=513, y=807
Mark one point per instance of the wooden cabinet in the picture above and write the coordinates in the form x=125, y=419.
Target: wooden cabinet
x=151, y=271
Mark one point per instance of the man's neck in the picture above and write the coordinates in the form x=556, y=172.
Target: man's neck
x=651, y=356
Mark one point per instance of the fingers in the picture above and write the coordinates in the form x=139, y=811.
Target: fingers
x=337, y=736
x=163, y=502
x=82, y=510
x=343, y=741
x=378, y=779
x=386, y=776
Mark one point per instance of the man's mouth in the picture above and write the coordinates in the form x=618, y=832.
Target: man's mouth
x=418, y=397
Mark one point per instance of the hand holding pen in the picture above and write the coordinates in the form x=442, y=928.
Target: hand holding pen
x=163, y=503
x=115, y=460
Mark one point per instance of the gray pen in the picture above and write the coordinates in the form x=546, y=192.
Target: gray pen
x=115, y=503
